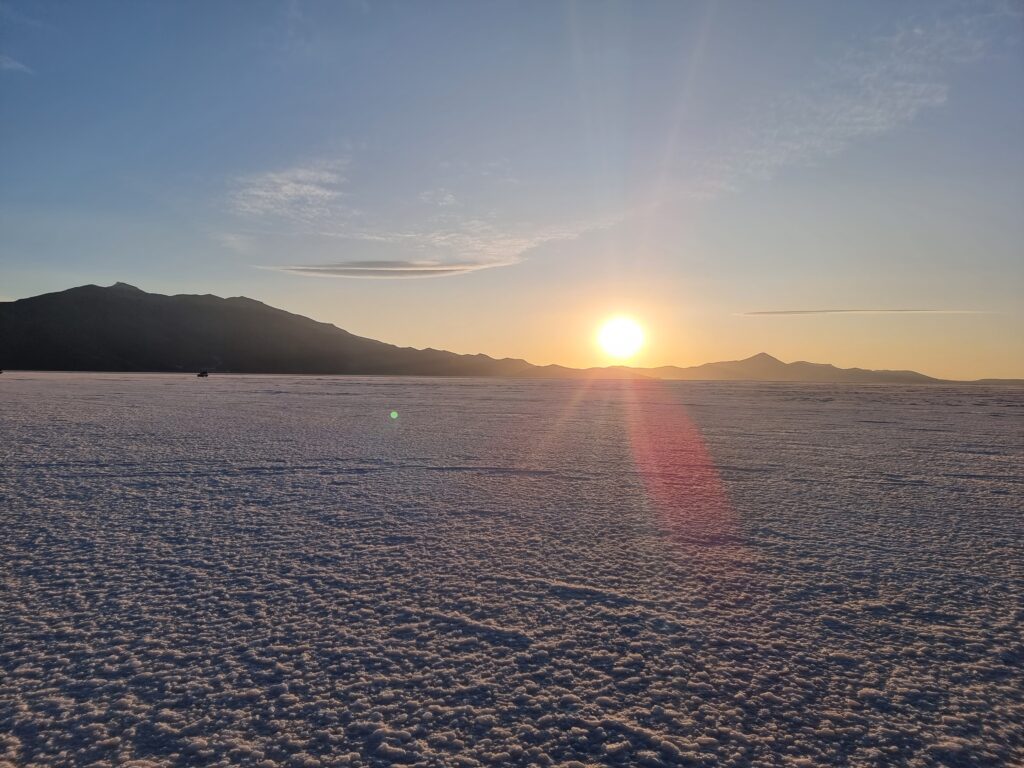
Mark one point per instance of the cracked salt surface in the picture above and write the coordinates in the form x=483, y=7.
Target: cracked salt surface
x=271, y=570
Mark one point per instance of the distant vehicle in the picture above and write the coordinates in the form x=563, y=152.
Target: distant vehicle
x=203, y=374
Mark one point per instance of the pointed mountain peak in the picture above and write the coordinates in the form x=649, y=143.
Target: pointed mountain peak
x=119, y=286
x=763, y=357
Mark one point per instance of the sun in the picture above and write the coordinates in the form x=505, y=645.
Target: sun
x=620, y=337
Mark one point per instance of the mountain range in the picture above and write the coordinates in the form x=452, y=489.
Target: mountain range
x=122, y=328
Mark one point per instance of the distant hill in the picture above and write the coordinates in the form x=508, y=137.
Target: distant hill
x=764, y=367
x=122, y=328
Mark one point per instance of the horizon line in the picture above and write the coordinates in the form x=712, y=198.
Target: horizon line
x=869, y=312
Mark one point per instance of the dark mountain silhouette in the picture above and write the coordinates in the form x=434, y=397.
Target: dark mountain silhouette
x=122, y=328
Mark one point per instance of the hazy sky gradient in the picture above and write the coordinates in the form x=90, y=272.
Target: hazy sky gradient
x=499, y=177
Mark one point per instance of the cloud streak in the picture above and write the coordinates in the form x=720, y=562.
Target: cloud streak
x=865, y=92
x=7, y=64
x=778, y=312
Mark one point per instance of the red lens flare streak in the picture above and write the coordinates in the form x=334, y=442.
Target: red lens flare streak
x=678, y=473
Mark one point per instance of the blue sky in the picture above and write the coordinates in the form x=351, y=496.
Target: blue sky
x=526, y=169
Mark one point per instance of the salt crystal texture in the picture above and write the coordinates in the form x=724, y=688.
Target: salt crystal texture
x=250, y=570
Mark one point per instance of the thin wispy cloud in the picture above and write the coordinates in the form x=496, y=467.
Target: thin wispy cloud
x=313, y=205
x=476, y=239
x=864, y=92
x=235, y=241
x=439, y=196
x=7, y=64
x=869, y=312
x=305, y=193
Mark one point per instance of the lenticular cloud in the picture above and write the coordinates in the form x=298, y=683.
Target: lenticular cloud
x=387, y=269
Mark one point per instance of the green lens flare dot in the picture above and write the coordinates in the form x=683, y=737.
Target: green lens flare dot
x=394, y=414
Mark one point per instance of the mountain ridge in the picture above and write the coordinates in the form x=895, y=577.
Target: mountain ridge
x=123, y=328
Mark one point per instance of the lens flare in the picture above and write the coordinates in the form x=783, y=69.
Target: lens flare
x=678, y=472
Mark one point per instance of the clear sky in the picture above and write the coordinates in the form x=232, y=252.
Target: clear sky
x=499, y=177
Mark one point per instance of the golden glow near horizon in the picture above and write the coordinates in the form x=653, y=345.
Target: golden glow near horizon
x=620, y=337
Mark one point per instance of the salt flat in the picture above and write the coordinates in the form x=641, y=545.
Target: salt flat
x=247, y=570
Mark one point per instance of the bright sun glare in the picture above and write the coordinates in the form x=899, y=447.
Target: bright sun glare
x=621, y=337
